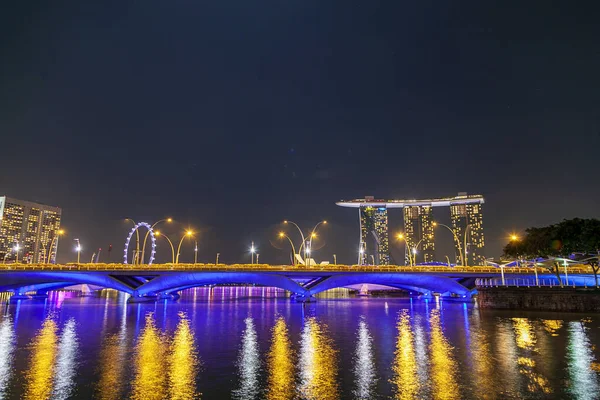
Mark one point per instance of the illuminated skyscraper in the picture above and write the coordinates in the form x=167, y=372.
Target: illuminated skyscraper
x=467, y=223
x=374, y=245
x=30, y=227
x=465, y=212
x=418, y=232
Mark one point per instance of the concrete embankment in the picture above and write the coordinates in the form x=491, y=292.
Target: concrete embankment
x=540, y=298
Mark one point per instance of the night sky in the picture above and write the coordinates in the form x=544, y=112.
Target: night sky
x=231, y=116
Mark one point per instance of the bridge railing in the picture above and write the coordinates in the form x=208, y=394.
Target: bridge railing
x=577, y=269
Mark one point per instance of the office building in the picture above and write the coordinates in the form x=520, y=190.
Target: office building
x=28, y=231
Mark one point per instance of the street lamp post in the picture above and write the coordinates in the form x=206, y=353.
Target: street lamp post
x=257, y=254
x=283, y=235
x=460, y=251
x=195, y=252
x=217, y=263
x=148, y=232
x=157, y=233
x=187, y=234
x=252, y=251
x=78, y=250
x=54, y=239
x=313, y=234
x=334, y=259
x=17, y=248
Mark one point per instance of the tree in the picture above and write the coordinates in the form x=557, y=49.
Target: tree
x=560, y=240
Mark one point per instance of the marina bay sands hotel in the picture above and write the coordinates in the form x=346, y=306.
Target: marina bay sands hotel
x=466, y=218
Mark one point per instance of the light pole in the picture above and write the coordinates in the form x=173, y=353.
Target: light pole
x=334, y=259
x=17, y=248
x=195, y=252
x=448, y=259
x=252, y=251
x=54, y=239
x=372, y=259
x=157, y=233
x=414, y=250
x=283, y=235
x=187, y=234
x=361, y=251
x=313, y=234
x=148, y=232
x=400, y=236
x=217, y=263
x=460, y=252
x=78, y=250
x=137, y=238
x=257, y=254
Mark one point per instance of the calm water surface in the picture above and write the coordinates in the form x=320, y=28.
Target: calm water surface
x=242, y=343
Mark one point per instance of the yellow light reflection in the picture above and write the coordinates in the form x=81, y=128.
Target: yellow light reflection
x=525, y=336
x=526, y=340
x=39, y=376
x=111, y=369
x=183, y=362
x=405, y=380
x=552, y=326
x=280, y=364
x=443, y=366
x=150, y=377
x=318, y=363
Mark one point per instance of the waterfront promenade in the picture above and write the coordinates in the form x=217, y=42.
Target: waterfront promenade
x=148, y=282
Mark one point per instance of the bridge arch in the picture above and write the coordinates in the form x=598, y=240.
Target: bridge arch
x=409, y=281
x=179, y=281
x=17, y=280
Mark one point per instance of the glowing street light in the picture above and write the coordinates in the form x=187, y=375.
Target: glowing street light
x=54, y=239
x=16, y=249
x=312, y=234
x=458, y=245
x=148, y=232
x=158, y=233
x=78, y=250
x=283, y=235
x=252, y=251
x=187, y=234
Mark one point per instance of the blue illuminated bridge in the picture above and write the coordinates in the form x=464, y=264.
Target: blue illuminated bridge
x=149, y=282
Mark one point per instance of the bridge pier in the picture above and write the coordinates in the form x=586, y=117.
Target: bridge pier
x=136, y=298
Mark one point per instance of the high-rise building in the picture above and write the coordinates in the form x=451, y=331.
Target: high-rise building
x=467, y=224
x=374, y=241
x=28, y=231
x=418, y=232
x=467, y=227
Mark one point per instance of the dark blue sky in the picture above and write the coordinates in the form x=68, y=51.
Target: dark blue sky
x=233, y=115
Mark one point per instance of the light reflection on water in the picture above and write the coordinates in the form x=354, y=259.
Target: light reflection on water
x=583, y=377
x=443, y=365
x=364, y=363
x=254, y=346
x=280, y=363
x=318, y=363
x=66, y=362
x=183, y=362
x=39, y=375
x=7, y=349
x=249, y=364
x=406, y=377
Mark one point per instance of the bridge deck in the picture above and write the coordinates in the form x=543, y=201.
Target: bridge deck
x=141, y=268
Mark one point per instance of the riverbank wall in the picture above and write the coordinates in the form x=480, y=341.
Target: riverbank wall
x=545, y=298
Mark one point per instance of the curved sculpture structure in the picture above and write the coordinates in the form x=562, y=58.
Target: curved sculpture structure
x=152, y=238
